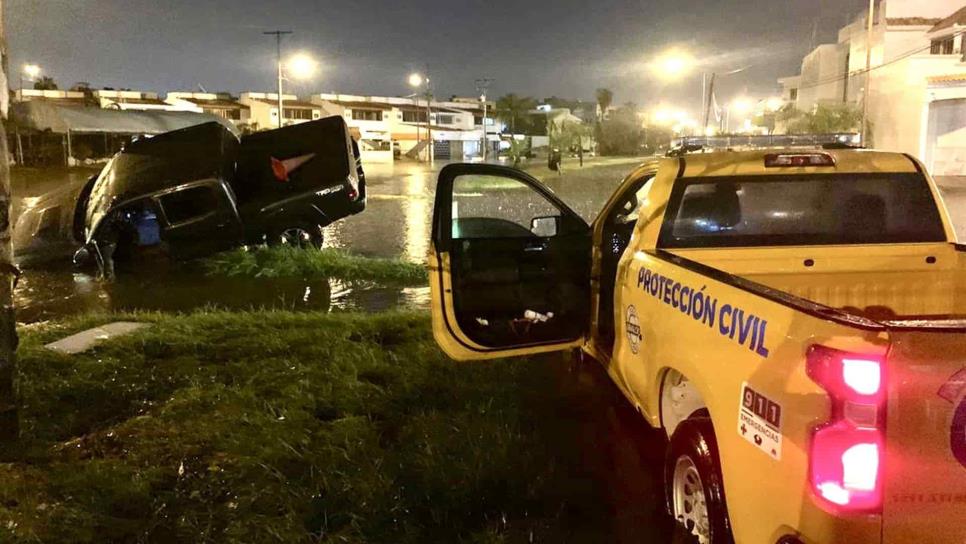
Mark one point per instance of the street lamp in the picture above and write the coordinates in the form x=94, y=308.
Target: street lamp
x=302, y=66
x=416, y=81
x=740, y=106
x=32, y=71
x=673, y=64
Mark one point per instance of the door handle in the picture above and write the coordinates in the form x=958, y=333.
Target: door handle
x=534, y=248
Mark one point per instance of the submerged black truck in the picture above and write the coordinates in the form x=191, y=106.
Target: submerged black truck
x=202, y=189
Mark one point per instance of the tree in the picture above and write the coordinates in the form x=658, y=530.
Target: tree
x=9, y=421
x=45, y=83
x=622, y=133
x=567, y=134
x=604, y=99
x=514, y=110
x=824, y=119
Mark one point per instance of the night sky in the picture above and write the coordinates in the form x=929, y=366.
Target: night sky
x=532, y=47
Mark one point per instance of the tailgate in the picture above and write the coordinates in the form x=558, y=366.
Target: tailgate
x=925, y=465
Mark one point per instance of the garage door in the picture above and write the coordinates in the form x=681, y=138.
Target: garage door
x=946, y=138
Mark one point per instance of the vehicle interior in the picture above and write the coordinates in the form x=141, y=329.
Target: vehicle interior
x=618, y=226
x=519, y=263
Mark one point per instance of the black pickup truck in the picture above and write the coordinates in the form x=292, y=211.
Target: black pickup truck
x=198, y=190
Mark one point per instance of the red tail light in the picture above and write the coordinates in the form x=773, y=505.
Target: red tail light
x=845, y=457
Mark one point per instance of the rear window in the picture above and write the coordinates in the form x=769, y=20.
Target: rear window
x=801, y=210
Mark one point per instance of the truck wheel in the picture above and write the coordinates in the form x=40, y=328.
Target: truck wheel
x=695, y=493
x=300, y=235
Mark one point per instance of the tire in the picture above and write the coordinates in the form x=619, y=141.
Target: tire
x=300, y=235
x=693, y=483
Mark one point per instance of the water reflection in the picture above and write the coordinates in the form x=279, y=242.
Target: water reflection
x=396, y=224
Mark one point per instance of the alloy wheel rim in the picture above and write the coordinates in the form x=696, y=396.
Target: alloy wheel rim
x=689, y=499
x=296, y=237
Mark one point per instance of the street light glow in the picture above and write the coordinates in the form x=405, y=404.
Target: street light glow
x=673, y=64
x=415, y=80
x=302, y=66
x=31, y=70
x=741, y=105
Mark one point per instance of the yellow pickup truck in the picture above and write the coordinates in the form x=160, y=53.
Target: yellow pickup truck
x=795, y=321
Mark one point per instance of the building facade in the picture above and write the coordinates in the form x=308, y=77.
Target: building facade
x=263, y=110
x=917, y=80
x=387, y=126
x=220, y=104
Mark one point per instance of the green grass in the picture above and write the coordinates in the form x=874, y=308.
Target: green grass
x=278, y=262
x=283, y=427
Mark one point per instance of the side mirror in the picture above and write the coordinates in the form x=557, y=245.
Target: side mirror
x=545, y=227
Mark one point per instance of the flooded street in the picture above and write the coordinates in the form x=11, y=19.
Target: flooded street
x=395, y=224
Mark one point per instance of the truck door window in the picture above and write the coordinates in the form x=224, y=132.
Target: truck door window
x=780, y=210
x=188, y=204
x=499, y=207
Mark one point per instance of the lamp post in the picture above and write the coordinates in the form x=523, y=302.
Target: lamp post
x=278, y=48
x=483, y=85
x=416, y=81
x=676, y=64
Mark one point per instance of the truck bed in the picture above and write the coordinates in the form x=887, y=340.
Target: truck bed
x=923, y=283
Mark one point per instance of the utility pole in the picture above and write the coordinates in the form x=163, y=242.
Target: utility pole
x=278, y=45
x=710, y=100
x=429, y=117
x=482, y=85
x=868, y=74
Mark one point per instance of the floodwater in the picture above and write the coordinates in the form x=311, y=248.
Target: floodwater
x=395, y=224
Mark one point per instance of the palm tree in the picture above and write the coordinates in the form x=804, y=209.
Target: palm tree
x=604, y=99
x=512, y=108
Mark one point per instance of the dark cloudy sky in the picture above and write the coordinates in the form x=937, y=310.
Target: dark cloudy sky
x=534, y=47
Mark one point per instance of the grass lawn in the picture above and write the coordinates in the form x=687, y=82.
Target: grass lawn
x=276, y=262
x=283, y=427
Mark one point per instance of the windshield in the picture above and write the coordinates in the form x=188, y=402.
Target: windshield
x=802, y=210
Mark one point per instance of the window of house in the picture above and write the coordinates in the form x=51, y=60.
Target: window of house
x=292, y=113
x=445, y=119
x=477, y=119
x=793, y=94
x=414, y=116
x=944, y=46
x=367, y=115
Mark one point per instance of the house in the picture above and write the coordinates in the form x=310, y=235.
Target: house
x=263, y=110
x=386, y=124
x=219, y=104
x=917, y=81
x=110, y=99
x=62, y=98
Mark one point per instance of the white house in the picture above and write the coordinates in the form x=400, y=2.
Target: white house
x=221, y=104
x=917, y=92
x=263, y=110
x=135, y=101
x=385, y=124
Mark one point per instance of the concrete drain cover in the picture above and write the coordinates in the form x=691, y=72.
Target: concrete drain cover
x=85, y=340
